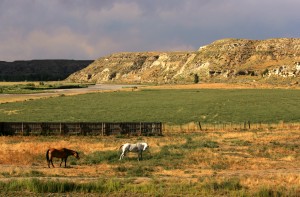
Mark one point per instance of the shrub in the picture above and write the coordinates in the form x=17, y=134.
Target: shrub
x=265, y=72
x=196, y=78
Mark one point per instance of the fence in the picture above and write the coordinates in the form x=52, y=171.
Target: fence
x=244, y=126
x=83, y=128
x=129, y=128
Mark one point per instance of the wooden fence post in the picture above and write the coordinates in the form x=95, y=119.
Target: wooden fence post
x=200, y=127
x=60, y=128
x=140, y=128
x=260, y=125
x=22, y=129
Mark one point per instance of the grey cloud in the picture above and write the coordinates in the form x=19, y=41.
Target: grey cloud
x=77, y=29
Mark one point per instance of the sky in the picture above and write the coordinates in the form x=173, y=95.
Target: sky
x=90, y=29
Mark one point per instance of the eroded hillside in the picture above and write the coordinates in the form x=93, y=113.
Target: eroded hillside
x=222, y=60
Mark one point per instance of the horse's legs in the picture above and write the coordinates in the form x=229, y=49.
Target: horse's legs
x=66, y=162
x=123, y=154
x=62, y=159
x=140, y=155
x=52, y=163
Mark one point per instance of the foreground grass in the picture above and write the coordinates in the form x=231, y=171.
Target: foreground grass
x=115, y=187
x=215, y=163
x=173, y=106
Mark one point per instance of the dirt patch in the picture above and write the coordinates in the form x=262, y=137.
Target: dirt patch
x=218, y=86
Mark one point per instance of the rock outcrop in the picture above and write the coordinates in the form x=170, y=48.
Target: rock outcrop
x=221, y=60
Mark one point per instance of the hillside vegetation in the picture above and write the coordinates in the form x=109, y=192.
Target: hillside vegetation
x=228, y=60
x=40, y=70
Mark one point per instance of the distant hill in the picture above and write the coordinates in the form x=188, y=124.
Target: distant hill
x=227, y=60
x=40, y=70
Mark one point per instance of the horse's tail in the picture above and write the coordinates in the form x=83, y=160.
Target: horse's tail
x=47, y=155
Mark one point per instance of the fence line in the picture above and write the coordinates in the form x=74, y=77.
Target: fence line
x=81, y=128
x=247, y=125
x=129, y=128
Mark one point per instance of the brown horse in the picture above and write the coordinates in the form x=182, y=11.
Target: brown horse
x=62, y=153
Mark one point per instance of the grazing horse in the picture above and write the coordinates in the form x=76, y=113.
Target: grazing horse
x=138, y=147
x=62, y=153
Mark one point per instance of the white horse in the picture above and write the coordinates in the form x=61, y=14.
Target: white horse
x=138, y=147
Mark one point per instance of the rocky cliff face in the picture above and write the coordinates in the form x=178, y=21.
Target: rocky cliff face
x=221, y=60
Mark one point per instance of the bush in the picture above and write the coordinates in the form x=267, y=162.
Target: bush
x=196, y=78
x=265, y=72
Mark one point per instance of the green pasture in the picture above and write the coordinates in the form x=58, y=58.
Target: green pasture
x=172, y=106
x=31, y=88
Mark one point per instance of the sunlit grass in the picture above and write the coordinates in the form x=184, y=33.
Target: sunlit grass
x=34, y=87
x=172, y=106
x=215, y=163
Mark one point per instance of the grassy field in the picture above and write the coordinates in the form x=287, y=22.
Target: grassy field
x=35, y=87
x=253, y=162
x=170, y=106
x=247, y=163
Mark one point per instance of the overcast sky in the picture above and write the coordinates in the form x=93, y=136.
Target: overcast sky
x=89, y=29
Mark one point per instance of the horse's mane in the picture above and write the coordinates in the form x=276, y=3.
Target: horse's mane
x=69, y=150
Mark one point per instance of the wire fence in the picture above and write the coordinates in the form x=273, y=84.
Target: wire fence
x=130, y=128
x=244, y=126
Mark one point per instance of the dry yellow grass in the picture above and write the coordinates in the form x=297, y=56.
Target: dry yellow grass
x=219, y=86
x=255, y=157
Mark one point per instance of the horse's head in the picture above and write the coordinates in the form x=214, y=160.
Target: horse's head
x=146, y=146
x=76, y=155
